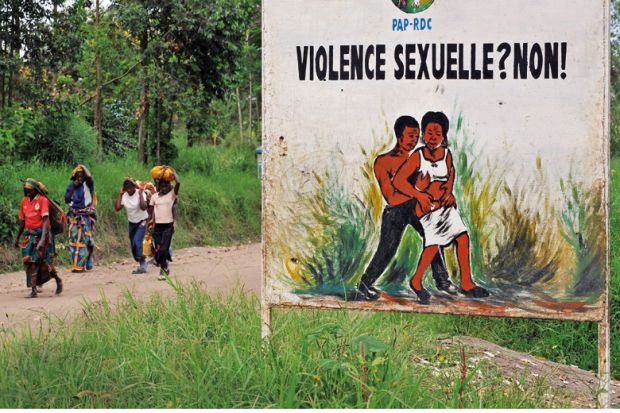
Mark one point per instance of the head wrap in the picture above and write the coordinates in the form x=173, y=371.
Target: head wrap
x=129, y=183
x=31, y=183
x=80, y=168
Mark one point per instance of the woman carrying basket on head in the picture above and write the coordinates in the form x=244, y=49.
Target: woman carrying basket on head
x=80, y=195
x=35, y=239
x=162, y=206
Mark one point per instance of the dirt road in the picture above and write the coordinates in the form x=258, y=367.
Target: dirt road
x=218, y=269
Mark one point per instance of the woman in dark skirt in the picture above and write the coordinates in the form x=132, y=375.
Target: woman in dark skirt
x=162, y=206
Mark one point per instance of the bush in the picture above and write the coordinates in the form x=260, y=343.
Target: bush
x=119, y=128
x=56, y=135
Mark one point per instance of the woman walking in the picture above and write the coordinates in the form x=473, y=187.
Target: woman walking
x=133, y=198
x=80, y=195
x=35, y=239
x=163, y=216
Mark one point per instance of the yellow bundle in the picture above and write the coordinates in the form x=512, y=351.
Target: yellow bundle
x=147, y=248
x=164, y=172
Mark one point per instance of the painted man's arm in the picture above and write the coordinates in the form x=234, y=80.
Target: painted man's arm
x=391, y=195
x=402, y=184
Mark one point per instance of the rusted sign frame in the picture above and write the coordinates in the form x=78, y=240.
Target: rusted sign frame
x=604, y=331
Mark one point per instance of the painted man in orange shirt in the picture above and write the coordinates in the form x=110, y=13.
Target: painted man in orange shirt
x=399, y=212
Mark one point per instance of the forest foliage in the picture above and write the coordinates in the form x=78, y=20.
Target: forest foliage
x=132, y=70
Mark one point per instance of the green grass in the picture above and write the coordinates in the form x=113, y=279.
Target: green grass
x=199, y=351
x=218, y=207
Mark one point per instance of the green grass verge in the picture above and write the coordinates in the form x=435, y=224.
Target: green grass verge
x=219, y=202
x=195, y=350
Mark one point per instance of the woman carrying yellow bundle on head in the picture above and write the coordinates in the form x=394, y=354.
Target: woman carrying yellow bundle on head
x=162, y=206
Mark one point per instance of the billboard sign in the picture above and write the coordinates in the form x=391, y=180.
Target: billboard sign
x=440, y=156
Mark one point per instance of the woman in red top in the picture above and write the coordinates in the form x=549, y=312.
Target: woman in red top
x=35, y=238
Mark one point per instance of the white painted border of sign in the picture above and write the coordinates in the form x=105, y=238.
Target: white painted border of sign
x=604, y=332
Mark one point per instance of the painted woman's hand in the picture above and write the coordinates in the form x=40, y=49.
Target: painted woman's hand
x=425, y=201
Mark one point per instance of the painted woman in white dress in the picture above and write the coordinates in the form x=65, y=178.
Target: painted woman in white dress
x=433, y=171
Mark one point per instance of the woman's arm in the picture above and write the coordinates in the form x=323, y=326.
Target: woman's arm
x=20, y=231
x=177, y=183
x=119, y=199
x=143, y=204
x=44, y=234
x=69, y=192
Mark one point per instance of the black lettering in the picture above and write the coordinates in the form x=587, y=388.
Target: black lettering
x=410, y=61
x=357, y=62
x=321, y=63
x=400, y=68
x=311, y=62
x=423, y=52
x=476, y=74
x=463, y=73
x=333, y=75
x=536, y=61
x=302, y=62
x=451, y=73
x=380, y=62
x=370, y=74
x=439, y=69
x=344, y=63
x=520, y=60
x=487, y=60
x=552, y=61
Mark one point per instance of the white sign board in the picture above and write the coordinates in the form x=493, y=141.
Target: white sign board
x=446, y=156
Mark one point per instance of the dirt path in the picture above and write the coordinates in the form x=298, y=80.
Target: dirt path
x=218, y=269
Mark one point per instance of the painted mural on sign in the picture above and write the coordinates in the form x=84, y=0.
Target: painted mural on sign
x=468, y=193
x=413, y=6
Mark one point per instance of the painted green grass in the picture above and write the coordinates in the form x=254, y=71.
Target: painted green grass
x=198, y=351
x=219, y=202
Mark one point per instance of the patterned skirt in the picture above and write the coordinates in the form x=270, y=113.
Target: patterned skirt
x=34, y=263
x=81, y=240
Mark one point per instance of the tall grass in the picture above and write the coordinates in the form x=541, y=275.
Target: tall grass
x=198, y=351
x=219, y=207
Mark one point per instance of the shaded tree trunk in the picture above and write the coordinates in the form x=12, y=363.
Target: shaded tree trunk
x=97, y=120
x=240, y=114
x=250, y=113
x=158, y=121
x=14, y=51
x=144, y=100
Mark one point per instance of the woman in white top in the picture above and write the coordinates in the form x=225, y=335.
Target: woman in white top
x=433, y=172
x=162, y=206
x=134, y=200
